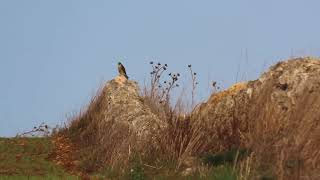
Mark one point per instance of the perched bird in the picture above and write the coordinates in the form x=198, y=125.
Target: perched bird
x=122, y=70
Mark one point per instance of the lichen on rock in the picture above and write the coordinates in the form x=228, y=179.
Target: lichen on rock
x=278, y=112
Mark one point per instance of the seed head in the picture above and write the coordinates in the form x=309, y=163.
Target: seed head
x=214, y=84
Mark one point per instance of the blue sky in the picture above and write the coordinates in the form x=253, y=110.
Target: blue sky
x=55, y=54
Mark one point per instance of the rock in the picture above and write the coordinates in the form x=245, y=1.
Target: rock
x=187, y=172
x=120, y=79
x=116, y=125
x=279, y=112
x=225, y=114
x=125, y=102
x=190, y=165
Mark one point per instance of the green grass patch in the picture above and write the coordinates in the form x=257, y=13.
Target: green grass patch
x=28, y=157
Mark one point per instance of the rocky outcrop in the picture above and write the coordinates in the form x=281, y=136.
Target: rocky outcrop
x=276, y=117
x=226, y=114
x=280, y=112
x=116, y=124
x=128, y=107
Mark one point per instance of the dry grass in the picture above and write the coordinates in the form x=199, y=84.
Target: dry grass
x=286, y=146
x=113, y=144
x=283, y=147
x=101, y=143
x=185, y=135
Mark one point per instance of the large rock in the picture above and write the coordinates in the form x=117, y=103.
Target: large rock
x=128, y=107
x=119, y=102
x=277, y=116
x=225, y=113
x=116, y=124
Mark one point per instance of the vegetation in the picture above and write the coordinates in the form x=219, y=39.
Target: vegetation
x=187, y=147
x=28, y=158
x=186, y=136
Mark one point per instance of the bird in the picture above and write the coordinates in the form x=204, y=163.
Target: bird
x=122, y=70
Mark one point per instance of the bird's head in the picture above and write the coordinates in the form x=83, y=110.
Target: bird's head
x=119, y=63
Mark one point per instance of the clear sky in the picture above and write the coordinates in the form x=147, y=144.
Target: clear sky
x=55, y=54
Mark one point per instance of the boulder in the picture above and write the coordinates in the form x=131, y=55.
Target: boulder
x=128, y=107
x=277, y=116
x=116, y=124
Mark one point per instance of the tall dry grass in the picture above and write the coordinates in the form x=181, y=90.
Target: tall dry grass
x=286, y=144
x=113, y=144
x=100, y=143
x=184, y=135
x=283, y=147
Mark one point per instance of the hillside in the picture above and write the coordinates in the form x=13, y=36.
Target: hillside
x=267, y=128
